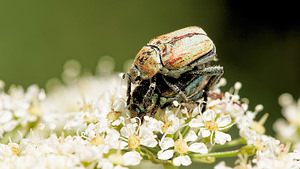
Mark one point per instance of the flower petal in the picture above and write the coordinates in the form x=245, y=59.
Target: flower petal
x=124, y=131
x=165, y=155
x=182, y=160
x=204, y=132
x=132, y=158
x=209, y=115
x=149, y=142
x=223, y=120
x=166, y=143
x=196, y=122
x=221, y=138
x=191, y=136
x=198, y=148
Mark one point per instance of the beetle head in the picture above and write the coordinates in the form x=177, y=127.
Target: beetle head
x=134, y=75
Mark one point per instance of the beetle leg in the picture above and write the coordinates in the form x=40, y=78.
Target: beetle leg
x=176, y=89
x=211, y=83
x=208, y=71
x=128, y=91
x=214, y=74
x=175, y=73
x=149, y=94
x=204, y=102
x=156, y=105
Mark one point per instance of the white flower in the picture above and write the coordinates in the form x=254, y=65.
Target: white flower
x=153, y=124
x=248, y=134
x=181, y=147
x=285, y=131
x=288, y=130
x=211, y=124
x=142, y=133
x=291, y=108
x=171, y=123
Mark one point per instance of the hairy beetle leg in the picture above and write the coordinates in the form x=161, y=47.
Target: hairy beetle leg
x=176, y=89
x=149, y=93
x=213, y=72
x=209, y=71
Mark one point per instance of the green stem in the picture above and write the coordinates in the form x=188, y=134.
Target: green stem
x=151, y=155
x=217, y=154
x=232, y=143
x=185, y=131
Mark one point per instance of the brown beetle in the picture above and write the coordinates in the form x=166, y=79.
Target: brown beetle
x=185, y=50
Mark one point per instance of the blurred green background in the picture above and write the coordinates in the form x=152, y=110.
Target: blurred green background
x=258, y=44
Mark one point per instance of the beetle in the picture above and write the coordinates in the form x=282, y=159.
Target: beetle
x=185, y=50
x=147, y=97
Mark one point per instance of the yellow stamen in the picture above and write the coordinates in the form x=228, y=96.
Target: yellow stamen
x=259, y=145
x=97, y=140
x=165, y=127
x=114, y=115
x=258, y=125
x=35, y=110
x=133, y=141
x=210, y=125
x=180, y=146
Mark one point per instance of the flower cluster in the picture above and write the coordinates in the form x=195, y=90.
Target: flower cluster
x=19, y=110
x=289, y=130
x=84, y=122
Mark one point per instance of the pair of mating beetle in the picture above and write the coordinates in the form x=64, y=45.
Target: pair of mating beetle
x=172, y=67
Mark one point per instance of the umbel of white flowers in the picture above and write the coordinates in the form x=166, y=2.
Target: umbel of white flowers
x=83, y=122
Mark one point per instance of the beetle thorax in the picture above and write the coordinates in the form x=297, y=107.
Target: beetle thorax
x=148, y=62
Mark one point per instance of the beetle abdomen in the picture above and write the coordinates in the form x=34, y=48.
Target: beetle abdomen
x=180, y=48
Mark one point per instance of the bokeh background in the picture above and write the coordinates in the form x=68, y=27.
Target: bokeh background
x=258, y=44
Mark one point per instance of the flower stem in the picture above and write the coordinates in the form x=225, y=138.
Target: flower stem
x=151, y=155
x=232, y=143
x=217, y=154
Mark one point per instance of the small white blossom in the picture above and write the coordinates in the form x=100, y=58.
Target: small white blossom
x=210, y=124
